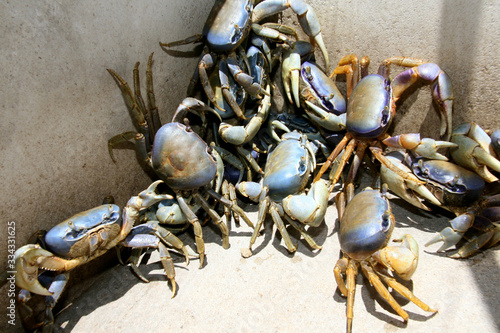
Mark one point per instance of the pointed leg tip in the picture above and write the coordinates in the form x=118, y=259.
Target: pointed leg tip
x=246, y=252
x=174, y=287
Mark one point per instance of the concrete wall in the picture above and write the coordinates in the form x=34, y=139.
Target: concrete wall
x=59, y=105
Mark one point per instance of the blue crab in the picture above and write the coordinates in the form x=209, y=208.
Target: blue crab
x=190, y=173
x=454, y=188
x=364, y=236
x=282, y=190
x=371, y=107
x=228, y=26
x=80, y=239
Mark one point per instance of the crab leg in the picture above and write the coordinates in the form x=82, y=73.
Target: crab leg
x=382, y=290
x=263, y=209
x=215, y=217
x=230, y=158
x=231, y=204
x=276, y=214
x=229, y=192
x=152, y=108
x=207, y=62
x=333, y=156
x=351, y=272
x=198, y=233
x=425, y=147
x=195, y=106
x=118, y=140
x=348, y=65
x=340, y=167
x=56, y=288
x=391, y=282
x=133, y=105
x=300, y=228
x=430, y=74
x=137, y=241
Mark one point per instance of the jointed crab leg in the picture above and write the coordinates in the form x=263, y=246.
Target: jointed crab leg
x=198, y=232
x=333, y=156
x=429, y=73
x=215, y=217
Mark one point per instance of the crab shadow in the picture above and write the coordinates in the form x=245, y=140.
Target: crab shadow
x=95, y=287
x=270, y=233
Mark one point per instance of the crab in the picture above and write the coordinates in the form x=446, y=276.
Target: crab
x=371, y=107
x=79, y=240
x=307, y=85
x=454, y=188
x=228, y=26
x=190, y=173
x=364, y=236
x=282, y=190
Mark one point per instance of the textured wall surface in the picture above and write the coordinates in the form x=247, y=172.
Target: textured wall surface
x=59, y=106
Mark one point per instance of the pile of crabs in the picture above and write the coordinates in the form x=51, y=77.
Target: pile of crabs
x=226, y=143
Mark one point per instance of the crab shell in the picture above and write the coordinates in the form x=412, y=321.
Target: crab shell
x=288, y=168
x=181, y=158
x=369, y=110
x=85, y=232
x=227, y=25
x=452, y=185
x=366, y=225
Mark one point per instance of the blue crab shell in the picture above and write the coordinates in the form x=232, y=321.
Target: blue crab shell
x=287, y=169
x=77, y=236
x=366, y=225
x=227, y=25
x=181, y=158
x=369, y=107
x=453, y=185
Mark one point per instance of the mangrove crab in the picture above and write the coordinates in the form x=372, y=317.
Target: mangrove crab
x=454, y=188
x=282, y=190
x=371, y=108
x=364, y=235
x=228, y=26
x=188, y=172
x=78, y=240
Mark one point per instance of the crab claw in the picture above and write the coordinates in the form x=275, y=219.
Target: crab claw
x=149, y=196
x=308, y=209
x=473, y=150
x=29, y=259
x=402, y=259
x=290, y=69
x=425, y=147
x=452, y=235
x=405, y=184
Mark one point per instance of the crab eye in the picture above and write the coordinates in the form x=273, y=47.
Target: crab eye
x=302, y=168
x=385, y=116
x=386, y=220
